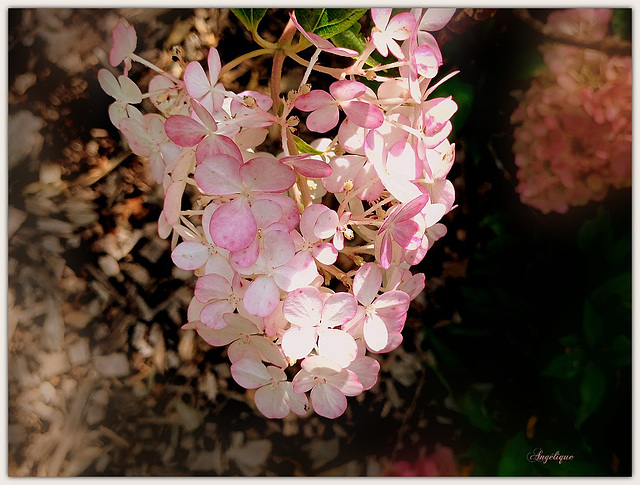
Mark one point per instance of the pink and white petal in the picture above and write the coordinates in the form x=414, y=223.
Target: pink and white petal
x=271, y=401
x=267, y=174
x=366, y=283
x=442, y=192
x=233, y=226
x=193, y=311
x=217, y=145
x=262, y=296
x=277, y=248
x=381, y=17
x=218, y=264
x=117, y=113
x=346, y=381
x=425, y=38
x=303, y=381
x=385, y=245
x=311, y=168
x=195, y=80
x=380, y=40
x=401, y=26
x=242, y=325
x=395, y=339
x=392, y=303
x=328, y=401
x=326, y=224
x=130, y=90
x=375, y=332
x=338, y=309
x=414, y=285
x=412, y=208
x=298, y=342
x=184, y=130
x=436, y=18
x=325, y=253
x=173, y=202
x=204, y=115
x=109, y=84
x=124, y=43
x=246, y=257
x=426, y=61
x=402, y=162
x=290, y=213
x=363, y=114
x=347, y=90
x=212, y=313
x=320, y=366
x=219, y=175
x=403, y=190
x=250, y=373
x=344, y=168
x=433, y=213
x=351, y=137
x=212, y=287
x=314, y=100
x=298, y=402
x=242, y=350
x=324, y=119
x=213, y=61
x=309, y=219
x=337, y=345
x=269, y=350
x=367, y=369
x=408, y=234
x=300, y=272
x=190, y=255
x=303, y=307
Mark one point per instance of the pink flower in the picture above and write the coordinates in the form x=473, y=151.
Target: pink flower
x=355, y=172
x=124, y=91
x=203, y=88
x=220, y=296
x=124, y=44
x=312, y=319
x=387, y=32
x=274, y=396
x=234, y=225
x=329, y=384
x=344, y=94
x=200, y=131
x=383, y=315
x=396, y=166
x=403, y=227
x=147, y=138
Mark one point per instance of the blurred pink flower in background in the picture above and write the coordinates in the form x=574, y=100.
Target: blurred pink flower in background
x=572, y=141
x=440, y=463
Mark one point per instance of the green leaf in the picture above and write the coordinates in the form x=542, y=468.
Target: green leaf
x=565, y=366
x=327, y=22
x=592, y=391
x=620, y=351
x=304, y=147
x=513, y=462
x=472, y=406
x=352, y=39
x=570, y=340
x=621, y=23
x=250, y=17
x=592, y=324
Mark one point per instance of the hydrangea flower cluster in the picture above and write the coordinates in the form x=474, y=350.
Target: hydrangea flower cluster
x=265, y=230
x=573, y=139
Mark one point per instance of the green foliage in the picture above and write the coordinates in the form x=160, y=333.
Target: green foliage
x=463, y=94
x=473, y=407
x=250, y=17
x=304, y=147
x=595, y=234
x=513, y=462
x=350, y=38
x=592, y=392
x=621, y=23
x=328, y=22
x=565, y=366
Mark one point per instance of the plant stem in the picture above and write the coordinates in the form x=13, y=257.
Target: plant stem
x=239, y=60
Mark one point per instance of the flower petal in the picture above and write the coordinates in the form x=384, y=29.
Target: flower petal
x=219, y=175
x=267, y=174
x=233, y=225
x=366, y=283
x=190, y=255
x=328, y=401
x=303, y=307
x=337, y=345
x=250, y=373
x=376, y=334
x=323, y=119
x=262, y=296
x=298, y=342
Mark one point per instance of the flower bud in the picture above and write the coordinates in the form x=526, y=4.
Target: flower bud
x=348, y=185
x=249, y=102
x=371, y=75
x=304, y=89
x=293, y=121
